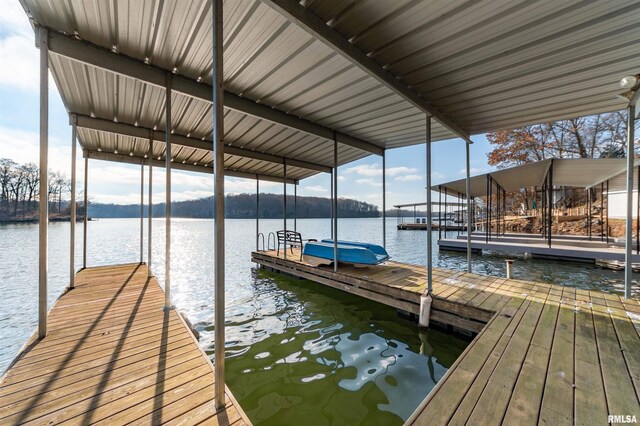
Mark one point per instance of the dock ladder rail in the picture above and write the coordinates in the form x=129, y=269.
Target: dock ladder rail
x=271, y=234
x=258, y=242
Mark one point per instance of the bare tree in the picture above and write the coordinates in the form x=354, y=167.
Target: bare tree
x=6, y=170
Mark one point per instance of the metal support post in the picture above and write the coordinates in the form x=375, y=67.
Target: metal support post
x=295, y=208
x=446, y=211
x=384, y=199
x=607, y=217
x=284, y=202
x=72, y=223
x=150, y=209
x=631, y=112
x=86, y=212
x=638, y=215
x=43, y=226
x=439, y=212
x=602, y=211
x=331, y=204
x=257, y=211
x=425, y=298
x=589, y=219
x=490, y=211
x=335, y=203
x=550, y=224
x=167, y=162
x=218, y=155
x=141, y=213
x=468, y=191
x=428, y=189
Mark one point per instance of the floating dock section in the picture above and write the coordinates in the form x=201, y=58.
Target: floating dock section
x=565, y=249
x=545, y=354
x=113, y=356
x=434, y=227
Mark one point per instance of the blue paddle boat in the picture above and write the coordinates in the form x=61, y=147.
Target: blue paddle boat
x=358, y=254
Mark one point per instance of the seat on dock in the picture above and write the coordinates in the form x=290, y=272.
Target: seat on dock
x=292, y=239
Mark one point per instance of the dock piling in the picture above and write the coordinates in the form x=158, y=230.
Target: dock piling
x=218, y=155
x=43, y=226
x=72, y=222
x=167, y=162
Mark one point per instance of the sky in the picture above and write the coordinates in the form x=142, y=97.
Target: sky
x=120, y=183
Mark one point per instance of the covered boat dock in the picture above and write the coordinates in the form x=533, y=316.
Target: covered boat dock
x=282, y=90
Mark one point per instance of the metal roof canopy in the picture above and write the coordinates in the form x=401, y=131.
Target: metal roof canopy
x=367, y=72
x=567, y=172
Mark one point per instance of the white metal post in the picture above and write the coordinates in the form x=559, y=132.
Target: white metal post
x=72, y=223
x=426, y=298
x=384, y=199
x=284, y=202
x=141, y=213
x=331, y=204
x=43, y=226
x=218, y=154
x=257, y=211
x=468, y=191
x=628, y=246
x=150, y=208
x=335, y=203
x=85, y=219
x=429, y=239
x=167, y=243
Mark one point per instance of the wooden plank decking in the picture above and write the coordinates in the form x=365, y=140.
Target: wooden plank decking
x=113, y=356
x=548, y=354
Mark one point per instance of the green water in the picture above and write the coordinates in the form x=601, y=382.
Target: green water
x=332, y=358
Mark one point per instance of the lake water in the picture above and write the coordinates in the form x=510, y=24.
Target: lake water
x=295, y=349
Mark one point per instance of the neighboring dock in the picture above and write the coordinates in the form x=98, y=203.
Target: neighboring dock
x=113, y=356
x=434, y=227
x=547, y=354
x=579, y=251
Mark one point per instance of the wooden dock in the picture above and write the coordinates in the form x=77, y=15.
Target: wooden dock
x=547, y=354
x=434, y=227
x=113, y=356
x=582, y=251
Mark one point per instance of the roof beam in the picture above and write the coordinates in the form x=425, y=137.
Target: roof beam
x=127, y=159
x=97, y=56
x=126, y=129
x=312, y=24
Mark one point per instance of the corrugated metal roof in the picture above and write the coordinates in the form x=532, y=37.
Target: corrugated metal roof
x=498, y=64
x=486, y=64
x=567, y=172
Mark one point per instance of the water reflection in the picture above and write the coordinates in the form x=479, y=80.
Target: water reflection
x=330, y=357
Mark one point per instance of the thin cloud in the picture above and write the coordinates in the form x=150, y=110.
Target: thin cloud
x=376, y=170
x=408, y=178
x=369, y=181
x=473, y=171
x=316, y=188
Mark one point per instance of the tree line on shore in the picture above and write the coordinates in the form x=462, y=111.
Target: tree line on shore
x=20, y=190
x=595, y=136
x=243, y=206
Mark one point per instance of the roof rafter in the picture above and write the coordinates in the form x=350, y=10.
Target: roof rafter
x=121, y=158
x=311, y=23
x=100, y=57
x=128, y=129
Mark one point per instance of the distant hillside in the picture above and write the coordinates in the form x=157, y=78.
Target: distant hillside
x=242, y=206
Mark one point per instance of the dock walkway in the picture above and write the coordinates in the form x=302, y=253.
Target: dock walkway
x=113, y=356
x=547, y=354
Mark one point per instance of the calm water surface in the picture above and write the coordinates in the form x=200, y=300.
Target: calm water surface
x=296, y=350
